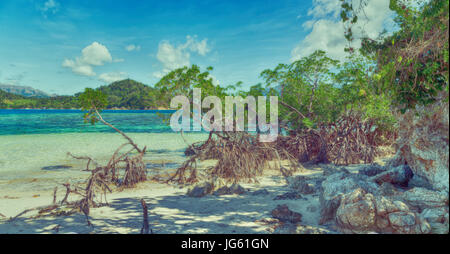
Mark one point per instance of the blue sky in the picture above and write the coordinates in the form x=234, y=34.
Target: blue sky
x=63, y=46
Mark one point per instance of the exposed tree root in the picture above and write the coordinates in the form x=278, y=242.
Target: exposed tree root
x=240, y=157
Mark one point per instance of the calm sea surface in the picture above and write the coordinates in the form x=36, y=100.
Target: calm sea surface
x=36, y=121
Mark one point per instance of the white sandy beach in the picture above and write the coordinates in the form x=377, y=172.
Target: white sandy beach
x=170, y=211
x=24, y=185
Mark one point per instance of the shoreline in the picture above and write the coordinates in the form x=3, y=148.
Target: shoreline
x=171, y=210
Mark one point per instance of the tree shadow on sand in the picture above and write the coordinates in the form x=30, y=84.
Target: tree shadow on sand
x=176, y=213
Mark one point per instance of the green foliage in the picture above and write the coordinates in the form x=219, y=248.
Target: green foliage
x=182, y=81
x=412, y=63
x=358, y=92
x=306, y=85
x=92, y=101
x=130, y=94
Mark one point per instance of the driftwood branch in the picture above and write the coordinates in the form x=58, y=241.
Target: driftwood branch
x=145, y=225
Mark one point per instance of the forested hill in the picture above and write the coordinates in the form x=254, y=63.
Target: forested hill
x=125, y=94
x=130, y=94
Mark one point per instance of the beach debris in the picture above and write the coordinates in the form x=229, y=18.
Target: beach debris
x=284, y=214
x=289, y=195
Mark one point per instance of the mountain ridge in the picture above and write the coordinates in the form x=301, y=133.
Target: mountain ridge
x=26, y=91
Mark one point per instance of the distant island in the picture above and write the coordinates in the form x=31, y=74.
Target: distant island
x=24, y=91
x=122, y=95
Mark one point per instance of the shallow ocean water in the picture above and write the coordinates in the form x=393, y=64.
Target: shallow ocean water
x=34, y=145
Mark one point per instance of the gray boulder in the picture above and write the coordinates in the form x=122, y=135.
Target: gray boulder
x=301, y=185
x=335, y=186
x=362, y=212
x=201, y=190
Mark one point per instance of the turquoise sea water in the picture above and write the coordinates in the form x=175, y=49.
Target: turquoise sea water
x=36, y=121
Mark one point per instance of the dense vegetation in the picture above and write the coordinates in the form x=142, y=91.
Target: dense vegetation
x=130, y=94
x=125, y=94
x=412, y=63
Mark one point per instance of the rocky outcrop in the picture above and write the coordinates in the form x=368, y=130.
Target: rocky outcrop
x=208, y=188
x=362, y=212
x=284, y=214
x=233, y=189
x=289, y=195
x=337, y=185
x=201, y=190
x=421, y=198
x=398, y=176
x=423, y=143
x=437, y=218
x=382, y=202
x=262, y=192
x=301, y=185
x=410, y=194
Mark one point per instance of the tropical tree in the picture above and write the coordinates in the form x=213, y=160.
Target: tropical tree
x=305, y=89
x=412, y=62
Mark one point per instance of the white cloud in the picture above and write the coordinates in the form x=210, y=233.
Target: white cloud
x=200, y=47
x=95, y=54
x=173, y=57
x=79, y=68
x=112, y=76
x=323, y=8
x=327, y=30
x=49, y=6
x=132, y=47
